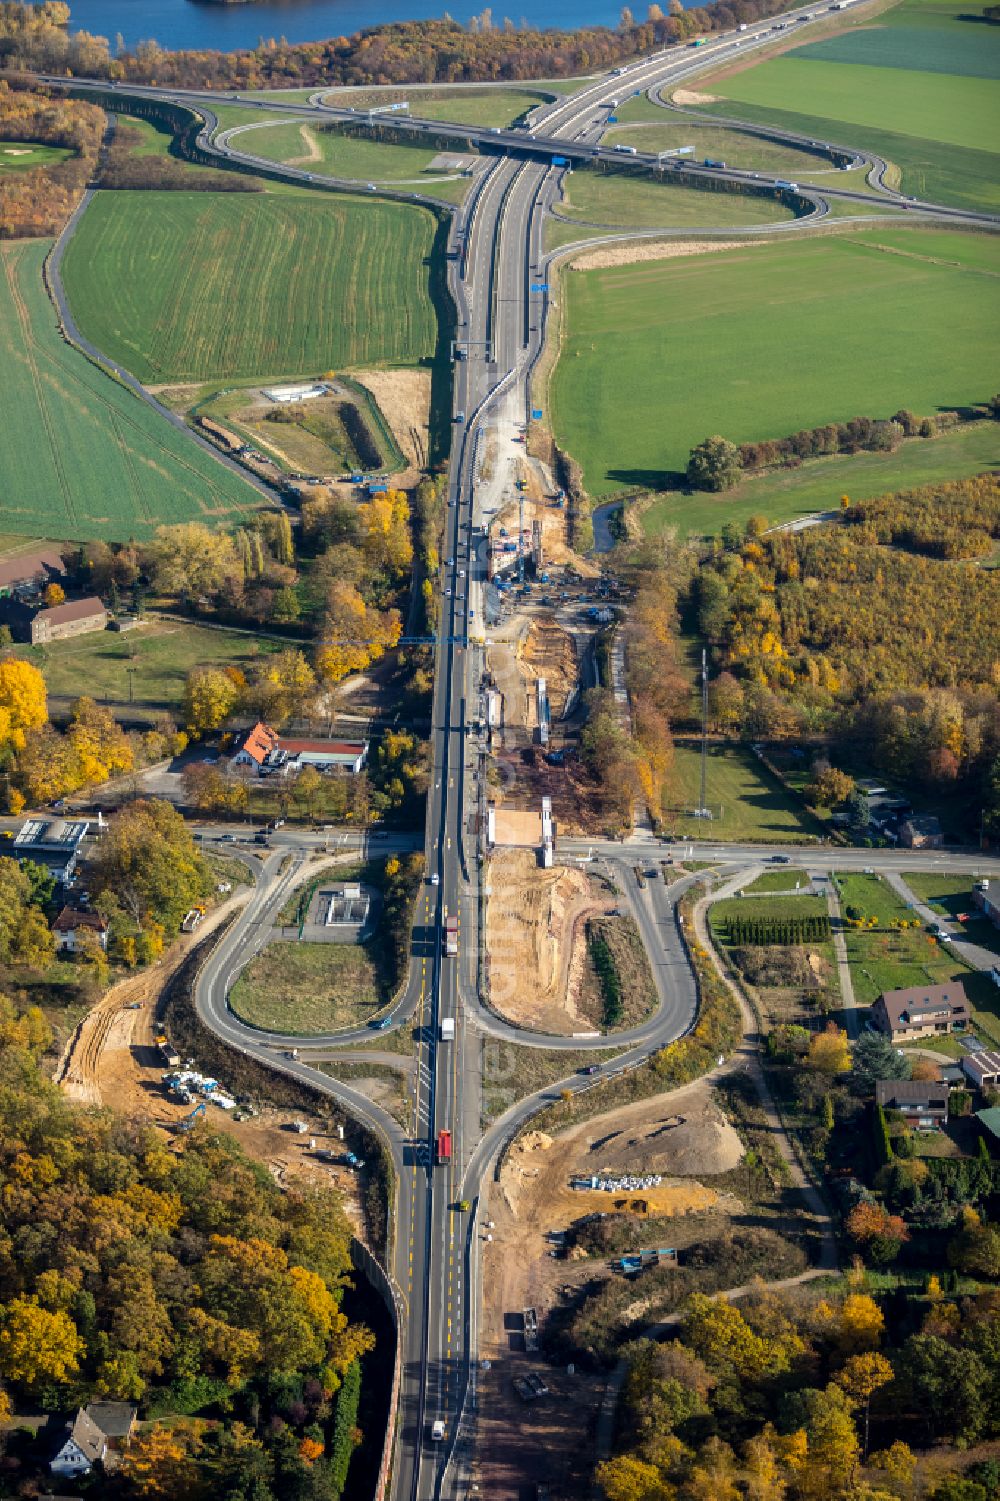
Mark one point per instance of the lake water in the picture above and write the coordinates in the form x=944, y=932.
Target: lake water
x=187, y=24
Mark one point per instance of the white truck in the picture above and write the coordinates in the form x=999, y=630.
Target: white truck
x=447, y=1029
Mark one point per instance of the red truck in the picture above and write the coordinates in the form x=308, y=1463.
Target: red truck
x=451, y=935
x=443, y=1147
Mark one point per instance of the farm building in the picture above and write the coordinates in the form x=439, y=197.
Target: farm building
x=70, y=923
x=921, y=1104
x=77, y=617
x=922, y=1011
x=31, y=571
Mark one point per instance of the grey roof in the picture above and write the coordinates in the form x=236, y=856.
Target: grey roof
x=114, y=1419
x=924, y=1000
x=912, y=1092
x=87, y=1436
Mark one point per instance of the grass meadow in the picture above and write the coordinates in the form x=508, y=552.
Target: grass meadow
x=748, y=152
x=203, y=286
x=307, y=988
x=817, y=485
x=641, y=203
x=81, y=456
x=747, y=803
x=462, y=106
x=300, y=143
x=917, y=85
x=160, y=653
x=760, y=342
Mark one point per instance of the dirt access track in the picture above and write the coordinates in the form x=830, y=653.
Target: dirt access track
x=112, y=1060
x=551, y=1441
x=535, y=922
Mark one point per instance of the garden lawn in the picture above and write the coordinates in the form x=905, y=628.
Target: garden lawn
x=747, y=803
x=81, y=456
x=640, y=203
x=786, y=879
x=917, y=86
x=760, y=342
x=817, y=485
x=886, y=958
x=160, y=652
x=951, y=895
x=307, y=988
x=204, y=286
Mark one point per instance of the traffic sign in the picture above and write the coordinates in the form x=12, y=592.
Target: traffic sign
x=536, y=414
x=539, y=286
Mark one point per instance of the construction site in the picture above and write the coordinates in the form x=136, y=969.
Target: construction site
x=538, y=1419
x=536, y=939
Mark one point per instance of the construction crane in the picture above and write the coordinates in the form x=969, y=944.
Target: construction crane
x=189, y=1120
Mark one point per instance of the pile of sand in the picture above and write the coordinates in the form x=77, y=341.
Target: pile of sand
x=696, y=1143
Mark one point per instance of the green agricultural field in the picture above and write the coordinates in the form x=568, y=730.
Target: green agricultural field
x=82, y=457
x=488, y=107
x=748, y=804
x=785, y=494
x=762, y=341
x=641, y=203
x=21, y=156
x=300, y=144
x=918, y=86
x=213, y=287
x=160, y=653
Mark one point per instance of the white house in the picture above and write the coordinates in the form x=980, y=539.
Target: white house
x=96, y=1434
x=70, y=923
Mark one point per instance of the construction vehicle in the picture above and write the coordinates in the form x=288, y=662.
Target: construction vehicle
x=188, y=1122
x=451, y=936
x=530, y=1329
x=443, y=1147
x=169, y=1056
x=640, y=875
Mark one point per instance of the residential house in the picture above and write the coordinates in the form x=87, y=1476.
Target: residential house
x=77, y=617
x=921, y=1103
x=71, y=923
x=96, y=1435
x=255, y=747
x=987, y=899
x=273, y=755
x=988, y=1122
x=922, y=1011
x=921, y=833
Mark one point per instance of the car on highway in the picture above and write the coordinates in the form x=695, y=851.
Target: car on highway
x=435, y=879
x=781, y=859
x=437, y=1430
x=382, y=1023
x=592, y=1068
x=459, y=416
x=943, y=936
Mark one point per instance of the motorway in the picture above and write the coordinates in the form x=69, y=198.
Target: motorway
x=497, y=256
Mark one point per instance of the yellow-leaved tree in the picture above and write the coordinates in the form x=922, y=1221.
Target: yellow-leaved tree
x=37, y=1345
x=23, y=704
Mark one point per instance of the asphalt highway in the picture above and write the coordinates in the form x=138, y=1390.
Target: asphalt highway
x=496, y=270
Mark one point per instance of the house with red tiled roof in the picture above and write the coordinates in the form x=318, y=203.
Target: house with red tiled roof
x=71, y=923
x=271, y=754
x=256, y=746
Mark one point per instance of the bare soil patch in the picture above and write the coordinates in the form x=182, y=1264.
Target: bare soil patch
x=535, y=921
x=691, y=96
x=313, y=152
x=404, y=397
x=653, y=250
x=526, y=777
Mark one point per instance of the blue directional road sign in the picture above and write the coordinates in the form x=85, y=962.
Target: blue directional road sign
x=612, y=119
x=536, y=414
x=539, y=286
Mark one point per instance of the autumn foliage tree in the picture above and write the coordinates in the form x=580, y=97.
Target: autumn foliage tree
x=877, y=1233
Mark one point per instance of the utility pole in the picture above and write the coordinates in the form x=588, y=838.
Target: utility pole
x=703, y=804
